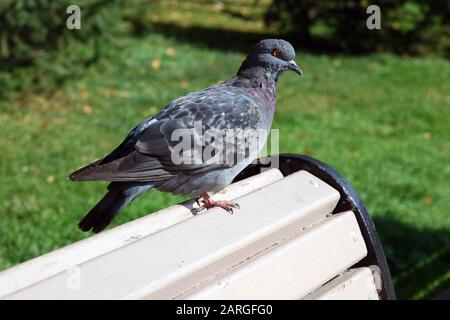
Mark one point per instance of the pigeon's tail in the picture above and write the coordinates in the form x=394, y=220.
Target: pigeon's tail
x=118, y=196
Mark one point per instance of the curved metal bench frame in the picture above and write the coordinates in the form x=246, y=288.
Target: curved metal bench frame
x=350, y=200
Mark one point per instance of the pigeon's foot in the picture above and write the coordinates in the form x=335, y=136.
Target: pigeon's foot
x=206, y=202
x=226, y=205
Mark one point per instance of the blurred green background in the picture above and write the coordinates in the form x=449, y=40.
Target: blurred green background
x=374, y=104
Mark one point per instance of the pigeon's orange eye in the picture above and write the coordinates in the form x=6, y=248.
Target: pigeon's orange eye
x=276, y=53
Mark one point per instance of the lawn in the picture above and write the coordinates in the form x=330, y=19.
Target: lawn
x=381, y=120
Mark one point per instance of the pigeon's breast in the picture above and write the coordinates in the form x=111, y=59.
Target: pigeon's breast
x=265, y=99
x=271, y=94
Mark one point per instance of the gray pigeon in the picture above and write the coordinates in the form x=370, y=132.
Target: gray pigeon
x=151, y=156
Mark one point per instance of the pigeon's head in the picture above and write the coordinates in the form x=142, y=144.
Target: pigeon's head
x=273, y=56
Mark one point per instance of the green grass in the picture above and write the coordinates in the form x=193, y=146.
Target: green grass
x=383, y=121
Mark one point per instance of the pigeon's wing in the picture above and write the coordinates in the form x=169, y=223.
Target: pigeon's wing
x=122, y=150
x=183, y=139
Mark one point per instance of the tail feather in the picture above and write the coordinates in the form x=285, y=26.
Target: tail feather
x=100, y=216
x=117, y=197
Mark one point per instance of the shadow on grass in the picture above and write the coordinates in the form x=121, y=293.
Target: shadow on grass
x=226, y=39
x=417, y=258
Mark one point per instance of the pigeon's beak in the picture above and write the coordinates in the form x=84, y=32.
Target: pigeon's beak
x=294, y=67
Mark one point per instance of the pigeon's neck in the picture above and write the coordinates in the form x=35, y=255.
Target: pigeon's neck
x=259, y=78
x=262, y=83
x=260, y=74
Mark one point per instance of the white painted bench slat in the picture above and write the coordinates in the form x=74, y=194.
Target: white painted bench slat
x=169, y=263
x=354, y=284
x=294, y=267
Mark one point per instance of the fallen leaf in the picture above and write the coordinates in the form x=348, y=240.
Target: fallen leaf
x=87, y=109
x=84, y=94
x=337, y=62
x=428, y=200
x=170, y=51
x=156, y=64
x=183, y=84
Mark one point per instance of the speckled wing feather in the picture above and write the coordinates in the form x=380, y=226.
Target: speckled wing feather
x=146, y=153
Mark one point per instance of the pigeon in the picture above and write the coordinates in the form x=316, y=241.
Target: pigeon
x=151, y=156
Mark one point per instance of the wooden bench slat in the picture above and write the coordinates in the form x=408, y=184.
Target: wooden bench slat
x=50, y=264
x=167, y=263
x=354, y=284
x=294, y=267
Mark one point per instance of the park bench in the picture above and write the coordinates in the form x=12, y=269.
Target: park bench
x=301, y=232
